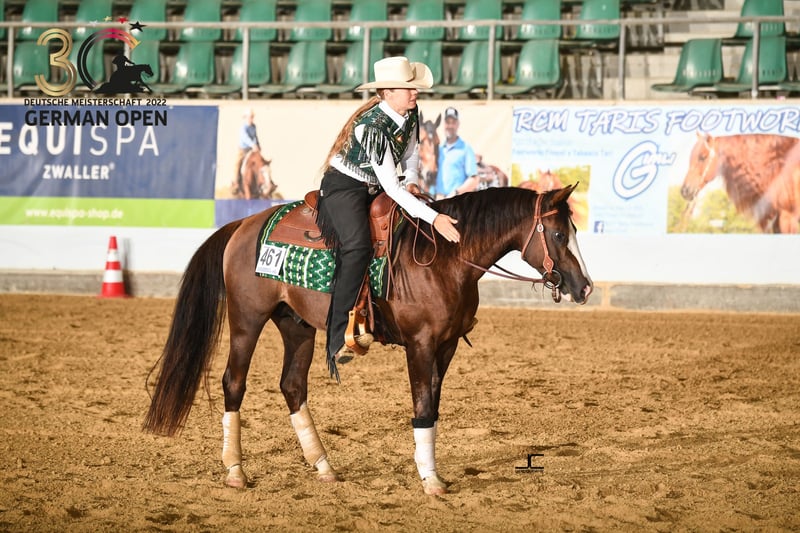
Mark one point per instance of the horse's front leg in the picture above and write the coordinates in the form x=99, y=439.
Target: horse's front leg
x=421, y=372
x=298, y=341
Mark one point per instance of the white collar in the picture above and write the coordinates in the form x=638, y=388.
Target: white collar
x=399, y=119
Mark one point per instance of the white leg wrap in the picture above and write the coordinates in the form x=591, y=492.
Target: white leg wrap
x=425, y=453
x=313, y=450
x=232, y=449
x=231, y=439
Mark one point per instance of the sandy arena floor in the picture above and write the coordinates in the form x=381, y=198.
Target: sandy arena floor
x=646, y=422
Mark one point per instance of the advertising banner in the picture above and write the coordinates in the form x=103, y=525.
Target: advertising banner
x=107, y=165
x=660, y=169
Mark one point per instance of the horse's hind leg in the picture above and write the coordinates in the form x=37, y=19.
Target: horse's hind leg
x=298, y=342
x=245, y=330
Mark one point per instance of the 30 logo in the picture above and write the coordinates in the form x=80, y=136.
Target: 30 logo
x=127, y=78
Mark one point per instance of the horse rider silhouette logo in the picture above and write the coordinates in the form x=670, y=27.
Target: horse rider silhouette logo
x=126, y=78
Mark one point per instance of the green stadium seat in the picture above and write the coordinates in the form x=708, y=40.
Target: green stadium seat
x=259, y=70
x=757, y=8
x=473, y=69
x=699, y=65
x=593, y=32
x=367, y=10
x=481, y=10
x=30, y=59
x=419, y=10
x=428, y=52
x=257, y=11
x=772, y=69
x=312, y=11
x=540, y=10
x=37, y=11
x=146, y=11
x=307, y=67
x=194, y=67
x=201, y=11
x=538, y=67
x=90, y=11
x=2, y=18
x=352, y=73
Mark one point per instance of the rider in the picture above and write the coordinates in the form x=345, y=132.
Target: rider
x=121, y=62
x=379, y=136
x=248, y=140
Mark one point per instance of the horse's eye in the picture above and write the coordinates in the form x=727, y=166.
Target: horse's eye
x=559, y=237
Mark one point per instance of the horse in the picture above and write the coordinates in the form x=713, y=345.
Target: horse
x=429, y=152
x=761, y=174
x=432, y=305
x=256, y=177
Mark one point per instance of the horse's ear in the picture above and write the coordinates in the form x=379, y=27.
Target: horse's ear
x=561, y=195
x=438, y=120
x=705, y=137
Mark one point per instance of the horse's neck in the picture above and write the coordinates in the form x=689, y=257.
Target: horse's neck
x=749, y=166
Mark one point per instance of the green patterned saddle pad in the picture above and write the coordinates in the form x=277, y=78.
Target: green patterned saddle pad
x=305, y=267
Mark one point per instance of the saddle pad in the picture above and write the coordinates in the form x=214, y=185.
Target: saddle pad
x=302, y=266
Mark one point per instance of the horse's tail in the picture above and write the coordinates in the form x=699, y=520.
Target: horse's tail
x=196, y=326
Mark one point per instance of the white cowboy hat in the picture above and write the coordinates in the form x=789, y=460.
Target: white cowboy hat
x=399, y=73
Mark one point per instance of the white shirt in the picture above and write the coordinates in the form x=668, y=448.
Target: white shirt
x=387, y=172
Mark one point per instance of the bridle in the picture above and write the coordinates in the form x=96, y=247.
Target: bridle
x=552, y=278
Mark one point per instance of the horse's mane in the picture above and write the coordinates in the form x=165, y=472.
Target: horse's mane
x=482, y=216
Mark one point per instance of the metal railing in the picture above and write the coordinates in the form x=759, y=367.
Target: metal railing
x=624, y=23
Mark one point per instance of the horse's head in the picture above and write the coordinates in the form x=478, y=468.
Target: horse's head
x=147, y=70
x=703, y=164
x=428, y=150
x=551, y=246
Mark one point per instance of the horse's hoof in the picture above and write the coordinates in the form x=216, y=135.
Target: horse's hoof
x=236, y=478
x=328, y=477
x=434, y=486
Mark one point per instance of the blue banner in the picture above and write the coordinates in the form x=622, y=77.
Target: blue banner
x=143, y=151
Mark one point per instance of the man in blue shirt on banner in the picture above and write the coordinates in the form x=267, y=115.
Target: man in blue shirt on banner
x=458, y=166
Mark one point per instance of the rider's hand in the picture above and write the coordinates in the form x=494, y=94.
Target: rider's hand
x=413, y=188
x=445, y=225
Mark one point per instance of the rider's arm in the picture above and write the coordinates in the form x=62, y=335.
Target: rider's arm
x=410, y=162
x=387, y=177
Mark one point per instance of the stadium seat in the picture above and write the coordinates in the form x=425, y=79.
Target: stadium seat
x=2, y=18
x=145, y=11
x=756, y=8
x=699, y=65
x=593, y=33
x=307, y=67
x=473, y=69
x=37, y=11
x=481, y=10
x=194, y=66
x=538, y=67
x=540, y=10
x=428, y=52
x=201, y=11
x=30, y=59
x=259, y=70
x=367, y=10
x=419, y=10
x=90, y=11
x=772, y=70
x=352, y=73
x=257, y=11
x=312, y=11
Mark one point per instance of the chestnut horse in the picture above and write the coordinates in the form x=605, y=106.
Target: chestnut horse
x=431, y=306
x=761, y=174
x=428, y=152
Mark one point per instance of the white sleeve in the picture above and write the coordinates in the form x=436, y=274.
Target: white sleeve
x=410, y=161
x=387, y=177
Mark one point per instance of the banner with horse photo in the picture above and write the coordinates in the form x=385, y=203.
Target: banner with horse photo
x=711, y=168
x=99, y=165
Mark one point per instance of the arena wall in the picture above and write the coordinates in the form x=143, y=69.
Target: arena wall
x=726, y=269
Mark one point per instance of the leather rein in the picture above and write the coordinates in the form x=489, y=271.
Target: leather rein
x=552, y=278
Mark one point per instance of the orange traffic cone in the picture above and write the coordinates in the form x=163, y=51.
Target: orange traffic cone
x=113, y=287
